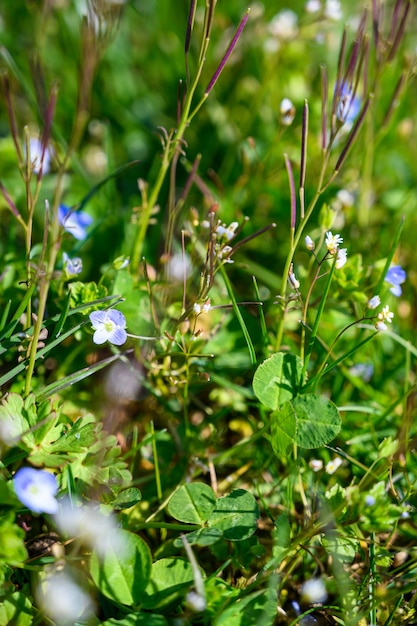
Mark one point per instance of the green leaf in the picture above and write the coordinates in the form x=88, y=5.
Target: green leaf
x=278, y=379
x=123, y=573
x=283, y=429
x=170, y=580
x=236, y=515
x=257, y=609
x=16, y=609
x=201, y=537
x=127, y=498
x=318, y=420
x=192, y=503
x=137, y=619
x=12, y=547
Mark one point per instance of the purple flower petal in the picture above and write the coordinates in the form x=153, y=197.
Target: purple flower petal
x=36, y=489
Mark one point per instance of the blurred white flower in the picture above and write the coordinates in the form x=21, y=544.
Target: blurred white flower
x=178, y=267
x=316, y=464
x=333, y=466
x=313, y=6
x=63, y=600
x=341, y=258
x=313, y=591
x=284, y=25
x=294, y=283
x=310, y=245
x=35, y=149
x=89, y=525
x=374, y=302
x=333, y=10
x=287, y=112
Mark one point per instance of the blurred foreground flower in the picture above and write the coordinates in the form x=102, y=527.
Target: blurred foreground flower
x=74, y=222
x=94, y=529
x=314, y=591
x=396, y=276
x=109, y=326
x=37, y=163
x=63, y=600
x=36, y=489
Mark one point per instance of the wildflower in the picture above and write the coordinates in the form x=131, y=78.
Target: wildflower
x=362, y=370
x=395, y=277
x=63, y=600
x=284, y=25
x=206, y=306
x=332, y=242
x=333, y=10
x=333, y=466
x=195, y=602
x=74, y=222
x=314, y=591
x=287, y=112
x=294, y=283
x=35, y=150
x=179, y=267
x=310, y=245
x=316, y=464
x=36, y=489
x=313, y=6
x=197, y=308
x=345, y=197
x=109, y=326
x=341, y=258
x=369, y=500
x=348, y=105
x=88, y=524
x=374, y=302
x=72, y=267
x=227, y=231
x=384, y=317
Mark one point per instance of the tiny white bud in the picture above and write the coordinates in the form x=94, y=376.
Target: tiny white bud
x=310, y=245
x=374, y=302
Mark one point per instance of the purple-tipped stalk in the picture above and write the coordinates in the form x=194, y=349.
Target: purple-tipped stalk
x=292, y=192
x=376, y=16
x=49, y=116
x=352, y=136
x=10, y=202
x=190, y=25
x=304, y=135
x=400, y=32
x=324, y=96
x=12, y=120
x=229, y=51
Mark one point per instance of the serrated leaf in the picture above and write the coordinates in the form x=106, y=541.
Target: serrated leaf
x=193, y=503
x=236, y=515
x=278, y=379
x=124, y=571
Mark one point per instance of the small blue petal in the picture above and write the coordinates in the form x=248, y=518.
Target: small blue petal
x=36, y=489
x=74, y=222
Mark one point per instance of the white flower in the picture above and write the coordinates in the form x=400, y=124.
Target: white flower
x=179, y=267
x=374, y=302
x=287, y=112
x=341, y=258
x=310, y=245
x=384, y=317
x=63, y=600
x=345, y=197
x=94, y=529
x=333, y=10
x=227, y=231
x=284, y=25
x=197, y=308
x=313, y=6
x=206, y=306
x=313, y=591
x=332, y=242
x=316, y=465
x=333, y=465
x=294, y=283
x=109, y=326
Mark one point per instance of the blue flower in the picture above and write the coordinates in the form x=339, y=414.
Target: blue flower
x=74, y=222
x=395, y=277
x=36, y=489
x=348, y=105
x=109, y=326
x=72, y=267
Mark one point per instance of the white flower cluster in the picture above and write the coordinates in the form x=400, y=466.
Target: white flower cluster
x=384, y=317
x=332, y=244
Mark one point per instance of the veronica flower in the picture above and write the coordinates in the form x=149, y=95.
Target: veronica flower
x=109, y=326
x=74, y=222
x=348, y=106
x=72, y=267
x=395, y=277
x=36, y=489
x=35, y=150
